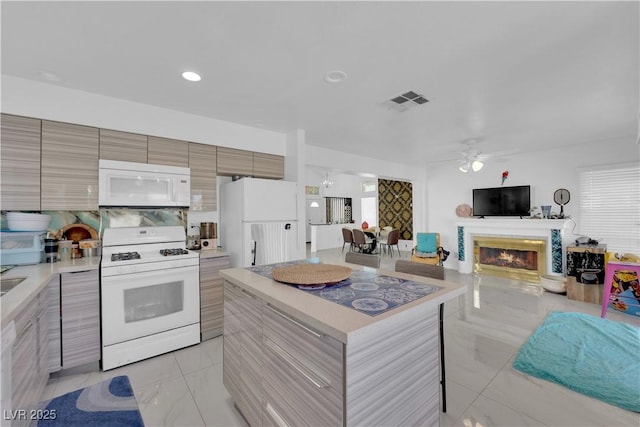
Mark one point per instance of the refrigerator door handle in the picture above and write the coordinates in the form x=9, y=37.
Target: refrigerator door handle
x=253, y=251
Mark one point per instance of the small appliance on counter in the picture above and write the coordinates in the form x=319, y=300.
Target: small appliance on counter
x=193, y=243
x=21, y=247
x=208, y=235
x=50, y=250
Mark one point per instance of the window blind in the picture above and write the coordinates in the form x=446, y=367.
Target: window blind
x=610, y=206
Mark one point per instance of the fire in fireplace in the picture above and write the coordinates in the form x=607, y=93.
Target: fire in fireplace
x=511, y=258
x=516, y=258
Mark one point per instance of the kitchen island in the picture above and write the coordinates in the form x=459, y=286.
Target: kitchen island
x=297, y=357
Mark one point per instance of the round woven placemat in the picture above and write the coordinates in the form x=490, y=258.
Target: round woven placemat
x=311, y=274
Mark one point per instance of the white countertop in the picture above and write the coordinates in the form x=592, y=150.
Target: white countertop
x=37, y=276
x=337, y=321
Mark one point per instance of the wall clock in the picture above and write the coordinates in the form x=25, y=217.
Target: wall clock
x=561, y=197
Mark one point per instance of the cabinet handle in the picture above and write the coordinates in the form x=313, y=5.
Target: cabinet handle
x=317, y=381
x=275, y=417
x=306, y=328
x=24, y=330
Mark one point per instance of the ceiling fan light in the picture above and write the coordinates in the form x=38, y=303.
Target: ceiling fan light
x=464, y=167
x=476, y=165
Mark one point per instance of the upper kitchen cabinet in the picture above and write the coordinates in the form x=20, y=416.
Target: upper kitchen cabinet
x=69, y=167
x=202, y=162
x=20, y=163
x=123, y=146
x=165, y=151
x=232, y=161
x=268, y=166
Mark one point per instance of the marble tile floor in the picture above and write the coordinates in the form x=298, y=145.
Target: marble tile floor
x=482, y=336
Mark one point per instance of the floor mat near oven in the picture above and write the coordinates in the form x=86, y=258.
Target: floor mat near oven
x=109, y=403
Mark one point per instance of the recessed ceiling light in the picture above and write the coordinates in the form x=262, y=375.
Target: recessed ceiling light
x=335, y=76
x=191, y=76
x=49, y=76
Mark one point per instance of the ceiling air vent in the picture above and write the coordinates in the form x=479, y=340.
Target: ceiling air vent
x=405, y=101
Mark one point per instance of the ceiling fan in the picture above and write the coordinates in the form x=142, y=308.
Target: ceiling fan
x=472, y=159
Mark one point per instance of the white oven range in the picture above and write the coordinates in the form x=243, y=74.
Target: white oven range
x=150, y=293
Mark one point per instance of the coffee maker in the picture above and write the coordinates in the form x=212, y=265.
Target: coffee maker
x=208, y=235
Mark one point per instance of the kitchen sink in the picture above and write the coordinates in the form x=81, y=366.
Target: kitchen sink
x=8, y=283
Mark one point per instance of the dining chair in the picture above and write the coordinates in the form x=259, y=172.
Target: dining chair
x=392, y=240
x=347, y=237
x=359, y=239
x=363, y=259
x=435, y=272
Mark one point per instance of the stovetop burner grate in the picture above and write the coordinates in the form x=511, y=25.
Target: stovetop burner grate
x=176, y=251
x=125, y=256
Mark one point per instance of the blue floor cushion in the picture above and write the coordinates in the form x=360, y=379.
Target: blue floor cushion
x=593, y=356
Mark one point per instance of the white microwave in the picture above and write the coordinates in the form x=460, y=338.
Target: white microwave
x=128, y=184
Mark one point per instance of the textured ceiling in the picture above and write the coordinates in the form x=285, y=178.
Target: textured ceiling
x=511, y=76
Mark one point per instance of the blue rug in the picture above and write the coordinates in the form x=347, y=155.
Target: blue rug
x=109, y=403
x=587, y=354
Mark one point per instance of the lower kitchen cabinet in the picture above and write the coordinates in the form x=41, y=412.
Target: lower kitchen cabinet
x=278, y=370
x=211, y=299
x=80, y=307
x=29, y=354
x=53, y=319
x=302, y=373
x=242, y=352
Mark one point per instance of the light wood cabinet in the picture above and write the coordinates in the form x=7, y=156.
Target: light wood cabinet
x=20, y=163
x=202, y=162
x=268, y=166
x=69, y=167
x=242, y=352
x=80, y=304
x=29, y=354
x=24, y=359
x=42, y=322
x=53, y=319
x=278, y=370
x=123, y=146
x=165, y=151
x=302, y=373
x=211, y=297
x=232, y=161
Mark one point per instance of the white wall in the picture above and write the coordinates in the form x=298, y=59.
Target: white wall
x=44, y=101
x=545, y=171
x=350, y=164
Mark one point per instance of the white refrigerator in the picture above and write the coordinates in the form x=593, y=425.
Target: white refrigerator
x=258, y=221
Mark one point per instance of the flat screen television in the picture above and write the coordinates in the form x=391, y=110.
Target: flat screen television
x=502, y=201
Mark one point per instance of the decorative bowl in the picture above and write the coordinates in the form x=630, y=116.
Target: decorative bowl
x=18, y=221
x=555, y=284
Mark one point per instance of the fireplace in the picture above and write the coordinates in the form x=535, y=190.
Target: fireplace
x=556, y=233
x=514, y=258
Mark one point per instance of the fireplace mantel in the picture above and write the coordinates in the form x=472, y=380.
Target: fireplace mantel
x=557, y=233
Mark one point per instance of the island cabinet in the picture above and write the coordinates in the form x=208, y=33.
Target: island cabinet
x=69, y=167
x=165, y=151
x=242, y=352
x=20, y=163
x=80, y=306
x=302, y=373
x=323, y=363
x=123, y=146
x=211, y=296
